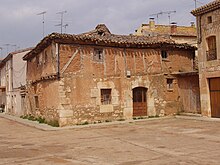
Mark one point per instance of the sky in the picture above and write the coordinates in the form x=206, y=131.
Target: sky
x=21, y=26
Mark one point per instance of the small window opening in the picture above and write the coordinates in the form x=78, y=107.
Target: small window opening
x=105, y=96
x=211, y=53
x=169, y=84
x=36, y=101
x=98, y=55
x=164, y=54
x=209, y=19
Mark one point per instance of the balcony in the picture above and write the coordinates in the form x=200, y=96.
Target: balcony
x=211, y=55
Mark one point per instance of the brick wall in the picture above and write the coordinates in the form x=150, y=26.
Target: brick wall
x=76, y=97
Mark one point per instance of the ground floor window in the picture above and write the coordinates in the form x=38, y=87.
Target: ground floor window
x=106, y=96
x=36, y=101
x=169, y=84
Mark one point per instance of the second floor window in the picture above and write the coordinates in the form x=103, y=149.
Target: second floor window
x=211, y=53
x=209, y=19
x=164, y=54
x=98, y=55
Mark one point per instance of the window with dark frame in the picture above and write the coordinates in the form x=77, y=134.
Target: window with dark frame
x=169, y=84
x=98, y=55
x=209, y=19
x=106, y=96
x=211, y=53
x=164, y=54
x=36, y=101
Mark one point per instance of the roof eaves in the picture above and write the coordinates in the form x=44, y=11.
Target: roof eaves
x=206, y=8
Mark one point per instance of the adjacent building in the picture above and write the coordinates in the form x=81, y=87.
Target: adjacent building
x=180, y=34
x=13, y=82
x=99, y=76
x=208, y=21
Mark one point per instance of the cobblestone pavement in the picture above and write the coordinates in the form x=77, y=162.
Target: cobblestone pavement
x=161, y=141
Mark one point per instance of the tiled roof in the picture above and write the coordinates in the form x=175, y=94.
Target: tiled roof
x=207, y=8
x=103, y=37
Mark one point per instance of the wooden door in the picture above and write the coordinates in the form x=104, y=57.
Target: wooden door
x=214, y=87
x=139, y=101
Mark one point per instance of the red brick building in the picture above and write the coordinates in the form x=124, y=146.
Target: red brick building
x=99, y=76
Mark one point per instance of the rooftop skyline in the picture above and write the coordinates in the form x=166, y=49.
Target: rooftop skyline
x=22, y=21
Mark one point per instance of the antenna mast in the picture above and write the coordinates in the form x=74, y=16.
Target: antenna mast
x=61, y=20
x=42, y=13
x=157, y=14
x=169, y=14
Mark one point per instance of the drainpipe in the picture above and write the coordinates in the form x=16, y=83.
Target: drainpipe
x=57, y=47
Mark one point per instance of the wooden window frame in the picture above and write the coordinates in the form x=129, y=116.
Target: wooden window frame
x=98, y=55
x=169, y=82
x=106, y=96
x=211, y=53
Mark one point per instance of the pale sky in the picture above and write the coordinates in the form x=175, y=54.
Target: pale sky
x=21, y=26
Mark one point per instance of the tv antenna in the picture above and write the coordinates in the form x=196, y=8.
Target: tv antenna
x=169, y=14
x=65, y=27
x=161, y=13
x=61, y=20
x=196, y=1
x=42, y=13
x=157, y=15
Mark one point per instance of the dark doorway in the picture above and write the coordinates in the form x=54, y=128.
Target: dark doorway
x=140, y=101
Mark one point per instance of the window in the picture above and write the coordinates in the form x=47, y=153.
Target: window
x=106, y=96
x=209, y=19
x=164, y=54
x=211, y=53
x=169, y=84
x=36, y=101
x=98, y=55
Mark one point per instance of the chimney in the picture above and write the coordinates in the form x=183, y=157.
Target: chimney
x=152, y=23
x=173, y=28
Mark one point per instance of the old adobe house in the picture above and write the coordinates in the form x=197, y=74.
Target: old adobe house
x=208, y=21
x=99, y=76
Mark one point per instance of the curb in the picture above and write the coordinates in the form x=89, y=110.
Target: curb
x=45, y=127
x=199, y=118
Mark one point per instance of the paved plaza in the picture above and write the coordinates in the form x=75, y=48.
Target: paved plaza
x=158, y=141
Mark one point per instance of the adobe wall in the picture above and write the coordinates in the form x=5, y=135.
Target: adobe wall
x=83, y=78
x=48, y=100
x=44, y=64
x=75, y=97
